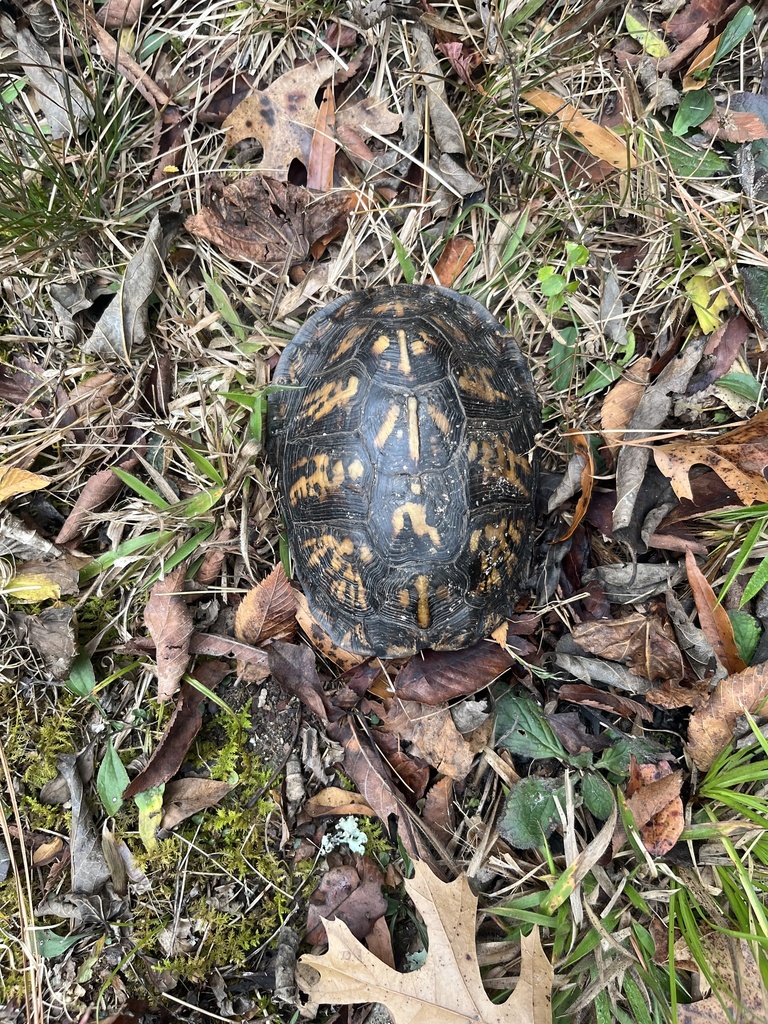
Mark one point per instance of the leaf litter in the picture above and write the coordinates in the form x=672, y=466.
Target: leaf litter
x=353, y=160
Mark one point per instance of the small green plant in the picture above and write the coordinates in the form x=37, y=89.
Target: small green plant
x=557, y=285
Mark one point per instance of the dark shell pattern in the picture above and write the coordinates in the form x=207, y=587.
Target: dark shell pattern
x=404, y=441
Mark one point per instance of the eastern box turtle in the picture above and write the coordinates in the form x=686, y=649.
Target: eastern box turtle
x=403, y=433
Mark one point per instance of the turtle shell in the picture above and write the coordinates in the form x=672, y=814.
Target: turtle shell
x=403, y=433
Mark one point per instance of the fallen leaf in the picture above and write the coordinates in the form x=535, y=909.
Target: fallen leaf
x=641, y=641
x=433, y=734
x=348, y=894
x=266, y=221
x=89, y=868
x=65, y=105
x=454, y=257
x=708, y=298
x=434, y=677
x=734, y=126
x=620, y=402
x=167, y=757
x=169, y=622
x=124, y=323
x=652, y=789
x=268, y=611
x=604, y=700
x=600, y=142
x=743, y=995
x=322, y=150
x=336, y=801
x=714, y=619
x=19, y=481
x=97, y=491
x=448, y=989
x=281, y=117
x=184, y=797
x=710, y=728
x=584, y=458
x=700, y=12
x=739, y=457
x=51, y=634
x=463, y=60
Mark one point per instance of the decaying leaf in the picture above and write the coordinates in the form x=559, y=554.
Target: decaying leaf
x=739, y=457
x=711, y=727
x=433, y=734
x=169, y=622
x=65, y=105
x=448, y=989
x=89, y=868
x=434, y=677
x=123, y=324
x=622, y=399
x=643, y=642
x=266, y=221
x=349, y=894
x=653, y=796
x=184, y=797
x=714, y=619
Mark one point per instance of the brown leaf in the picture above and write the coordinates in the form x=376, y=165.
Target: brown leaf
x=463, y=60
x=739, y=457
x=713, y=617
x=349, y=894
x=435, y=677
x=168, y=755
x=121, y=13
x=583, y=452
x=643, y=642
x=438, y=809
x=322, y=149
x=698, y=13
x=710, y=728
x=622, y=400
x=735, y=126
x=604, y=700
x=454, y=257
x=449, y=987
x=281, y=117
x=336, y=801
x=742, y=996
x=433, y=734
x=268, y=611
x=262, y=220
x=184, y=797
x=671, y=696
x=652, y=789
x=293, y=667
x=169, y=622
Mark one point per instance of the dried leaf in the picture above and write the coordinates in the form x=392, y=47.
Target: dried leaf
x=348, y=894
x=184, y=797
x=265, y=221
x=89, y=868
x=121, y=13
x=65, y=105
x=167, y=757
x=449, y=987
x=322, y=150
x=19, y=481
x=433, y=734
x=336, y=801
x=455, y=256
x=435, y=677
x=604, y=700
x=710, y=728
x=123, y=324
x=268, y=611
x=622, y=399
x=602, y=143
x=734, y=126
x=583, y=452
x=169, y=622
x=713, y=617
x=643, y=642
x=651, y=794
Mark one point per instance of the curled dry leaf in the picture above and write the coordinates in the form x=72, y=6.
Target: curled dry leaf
x=169, y=622
x=711, y=727
x=739, y=457
x=266, y=221
x=349, y=894
x=620, y=403
x=449, y=987
x=19, y=481
x=713, y=617
x=586, y=462
x=643, y=642
x=433, y=734
x=654, y=800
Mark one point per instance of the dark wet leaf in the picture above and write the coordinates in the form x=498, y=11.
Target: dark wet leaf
x=530, y=812
x=434, y=677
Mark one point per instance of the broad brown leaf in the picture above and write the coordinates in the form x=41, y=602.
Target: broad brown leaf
x=710, y=728
x=433, y=734
x=739, y=457
x=448, y=989
x=268, y=611
x=643, y=642
x=713, y=617
x=622, y=400
x=349, y=894
x=169, y=622
x=654, y=799
x=184, y=797
x=436, y=676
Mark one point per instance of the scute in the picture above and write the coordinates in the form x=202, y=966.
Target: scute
x=404, y=441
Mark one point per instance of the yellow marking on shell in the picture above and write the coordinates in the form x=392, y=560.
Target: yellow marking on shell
x=413, y=427
x=404, y=366
x=415, y=485
x=380, y=345
x=355, y=469
x=418, y=517
x=334, y=555
x=439, y=418
x=418, y=347
x=348, y=341
x=481, y=386
x=472, y=451
x=318, y=481
x=365, y=554
x=386, y=428
x=320, y=403
x=404, y=598
x=474, y=541
x=328, y=546
x=423, y=617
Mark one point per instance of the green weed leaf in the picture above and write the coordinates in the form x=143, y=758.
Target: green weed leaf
x=598, y=795
x=530, y=813
x=405, y=261
x=735, y=31
x=111, y=780
x=695, y=107
x=746, y=633
x=82, y=680
x=743, y=384
x=523, y=730
x=757, y=581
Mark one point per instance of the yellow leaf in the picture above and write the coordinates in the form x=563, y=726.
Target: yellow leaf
x=150, y=805
x=19, y=481
x=653, y=44
x=707, y=304
x=602, y=143
x=32, y=587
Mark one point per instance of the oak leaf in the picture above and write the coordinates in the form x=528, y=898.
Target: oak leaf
x=448, y=989
x=711, y=727
x=739, y=457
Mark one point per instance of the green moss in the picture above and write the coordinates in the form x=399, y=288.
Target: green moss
x=94, y=614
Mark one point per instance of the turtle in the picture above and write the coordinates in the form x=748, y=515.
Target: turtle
x=402, y=424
